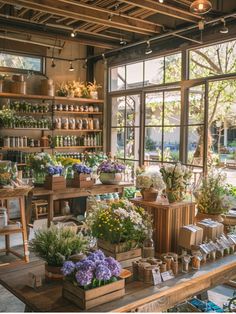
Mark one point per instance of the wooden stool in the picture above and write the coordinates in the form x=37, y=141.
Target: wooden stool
x=40, y=208
x=5, y=196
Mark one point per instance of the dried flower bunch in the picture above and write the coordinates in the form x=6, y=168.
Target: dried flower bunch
x=120, y=222
x=78, y=88
x=94, y=271
x=93, y=87
x=150, y=178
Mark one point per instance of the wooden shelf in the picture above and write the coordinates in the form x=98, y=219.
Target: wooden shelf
x=76, y=130
x=23, y=148
x=80, y=100
x=34, y=113
x=74, y=147
x=78, y=112
x=4, y=231
x=22, y=96
x=24, y=129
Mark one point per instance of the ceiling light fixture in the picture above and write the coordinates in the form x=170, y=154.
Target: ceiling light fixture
x=122, y=41
x=53, y=63
x=200, y=6
x=71, y=69
x=224, y=29
x=161, y=1
x=73, y=34
x=148, y=49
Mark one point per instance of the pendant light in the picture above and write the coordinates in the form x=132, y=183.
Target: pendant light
x=71, y=69
x=224, y=29
x=200, y=6
x=148, y=49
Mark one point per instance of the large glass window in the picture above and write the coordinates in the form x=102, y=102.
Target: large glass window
x=213, y=60
x=21, y=62
x=162, y=126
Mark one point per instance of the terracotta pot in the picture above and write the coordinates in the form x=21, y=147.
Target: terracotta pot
x=110, y=178
x=215, y=217
x=53, y=272
x=149, y=195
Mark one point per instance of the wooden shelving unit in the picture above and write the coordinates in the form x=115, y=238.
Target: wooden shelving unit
x=52, y=113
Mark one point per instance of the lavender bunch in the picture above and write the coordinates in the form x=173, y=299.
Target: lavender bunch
x=80, y=168
x=93, y=271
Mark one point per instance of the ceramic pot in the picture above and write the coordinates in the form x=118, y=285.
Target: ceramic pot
x=110, y=178
x=149, y=194
x=214, y=217
x=53, y=272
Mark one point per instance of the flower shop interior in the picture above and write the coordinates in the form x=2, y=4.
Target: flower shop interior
x=118, y=156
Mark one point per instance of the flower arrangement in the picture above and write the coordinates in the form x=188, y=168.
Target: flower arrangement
x=150, y=178
x=54, y=170
x=41, y=162
x=56, y=244
x=67, y=161
x=77, y=89
x=80, y=168
x=111, y=166
x=93, y=87
x=213, y=195
x=94, y=271
x=94, y=159
x=177, y=178
x=119, y=222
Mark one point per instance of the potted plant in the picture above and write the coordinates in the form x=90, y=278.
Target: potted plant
x=62, y=89
x=151, y=184
x=55, y=245
x=82, y=176
x=93, y=89
x=120, y=228
x=110, y=171
x=54, y=178
x=177, y=179
x=213, y=197
x=38, y=164
x=93, y=281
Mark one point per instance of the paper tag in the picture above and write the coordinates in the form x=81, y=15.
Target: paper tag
x=167, y=275
x=88, y=179
x=156, y=277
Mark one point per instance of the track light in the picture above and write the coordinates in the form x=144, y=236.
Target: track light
x=148, y=49
x=73, y=34
x=53, y=63
x=224, y=29
x=122, y=41
x=71, y=69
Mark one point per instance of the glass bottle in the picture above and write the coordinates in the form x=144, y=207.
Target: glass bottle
x=148, y=246
x=66, y=209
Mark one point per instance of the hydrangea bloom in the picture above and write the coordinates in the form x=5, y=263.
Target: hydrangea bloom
x=84, y=278
x=80, y=168
x=114, y=266
x=85, y=265
x=103, y=272
x=96, y=256
x=68, y=268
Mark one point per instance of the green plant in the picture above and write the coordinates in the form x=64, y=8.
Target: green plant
x=212, y=196
x=56, y=244
x=150, y=144
x=129, y=192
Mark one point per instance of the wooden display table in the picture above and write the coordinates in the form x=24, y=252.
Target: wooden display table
x=68, y=193
x=5, y=196
x=167, y=220
x=139, y=297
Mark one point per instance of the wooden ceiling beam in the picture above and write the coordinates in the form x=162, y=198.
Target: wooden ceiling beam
x=89, y=14
x=164, y=9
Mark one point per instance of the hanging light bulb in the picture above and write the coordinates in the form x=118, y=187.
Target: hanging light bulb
x=200, y=6
x=73, y=34
x=161, y=1
x=148, y=49
x=53, y=63
x=224, y=29
x=71, y=69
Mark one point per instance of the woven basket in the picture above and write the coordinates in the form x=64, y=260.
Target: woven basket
x=15, y=192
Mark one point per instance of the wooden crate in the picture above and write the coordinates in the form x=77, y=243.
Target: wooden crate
x=55, y=183
x=87, y=299
x=120, y=253
x=167, y=220
x=82, y=181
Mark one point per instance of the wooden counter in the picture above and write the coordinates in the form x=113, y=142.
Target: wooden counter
x=138, y=297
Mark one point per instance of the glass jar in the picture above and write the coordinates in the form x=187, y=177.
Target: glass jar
x=148, y=246
x=196, y=262
x=185, y=263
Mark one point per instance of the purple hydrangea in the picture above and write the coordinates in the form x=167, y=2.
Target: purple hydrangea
x=80, y=168
x=103, y=272
x=114, y=266
x=53, y=170
x=110, y=166
x=85, y=265
x=84, y=278
x=96, y=256
x=68, y=268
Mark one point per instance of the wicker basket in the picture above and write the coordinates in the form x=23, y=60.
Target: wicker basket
x=15, y=192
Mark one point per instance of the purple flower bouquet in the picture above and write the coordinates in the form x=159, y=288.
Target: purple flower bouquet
x=80, y=168
x=54, y=170
x=94, y=271
x=111, y=166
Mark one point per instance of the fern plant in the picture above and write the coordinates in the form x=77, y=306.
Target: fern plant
x=56, y=244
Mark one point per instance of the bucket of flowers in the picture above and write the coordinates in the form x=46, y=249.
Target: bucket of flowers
x=82, y=176
x=110, y=171
x=93, y=281
x=120, y=229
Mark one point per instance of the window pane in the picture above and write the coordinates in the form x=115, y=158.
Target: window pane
x=171, y=143
x=20, y=62
x=117, y=142
x=153, y=108
x=132, y=143
x=213, y=60
x=134, y=75
x=195, y=145
x=117, y=78
x=153, y=140
x=133, y=110
x=196, y=104
x=118, y=111
x=172, y=108
x=173, y=68
x=154, y=71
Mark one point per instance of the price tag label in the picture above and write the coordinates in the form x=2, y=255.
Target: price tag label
x=167, y=275
x=156, y=277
